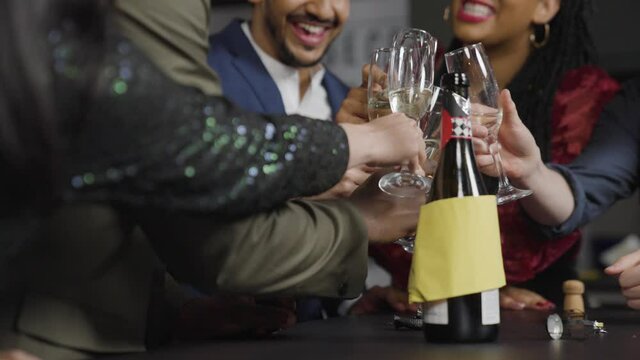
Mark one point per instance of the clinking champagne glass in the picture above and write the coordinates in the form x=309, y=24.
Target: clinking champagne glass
x=410, y=82
x=485, y=108
x=377, y=86
x=378, y=102
x=431, y=128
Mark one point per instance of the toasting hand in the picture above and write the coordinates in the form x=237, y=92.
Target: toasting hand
x=354, y=107
x=351, y=180
x=388, y=218
x=520, y=153
x=387, y=141
x=627, y=269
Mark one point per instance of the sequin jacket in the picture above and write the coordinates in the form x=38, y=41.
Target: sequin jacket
x=149, y=142
x=578, y=101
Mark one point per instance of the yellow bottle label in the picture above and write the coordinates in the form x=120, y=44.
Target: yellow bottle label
x=457, y=250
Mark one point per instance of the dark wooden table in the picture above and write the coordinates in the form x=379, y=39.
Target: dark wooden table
x=522, y=336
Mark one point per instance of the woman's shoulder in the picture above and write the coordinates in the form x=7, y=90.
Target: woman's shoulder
x=577, y=104
x=590, y=80
x=588, y=86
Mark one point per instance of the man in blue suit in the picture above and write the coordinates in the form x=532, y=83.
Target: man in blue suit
x=272, y=64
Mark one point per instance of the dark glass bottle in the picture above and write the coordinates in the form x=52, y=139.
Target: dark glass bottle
x=475, y=317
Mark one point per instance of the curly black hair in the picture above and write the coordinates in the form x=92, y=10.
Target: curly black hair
x=570, y=45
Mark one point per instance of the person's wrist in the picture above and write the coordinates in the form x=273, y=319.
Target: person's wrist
x=359, y=137
x=533, y=177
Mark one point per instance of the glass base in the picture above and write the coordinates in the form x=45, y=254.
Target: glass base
x=511, y=193
x=404, y=184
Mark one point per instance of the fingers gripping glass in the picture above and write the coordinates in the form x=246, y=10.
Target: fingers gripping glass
x=410, y=86
x=431, y=128
x=377, y=86
x=485, y=108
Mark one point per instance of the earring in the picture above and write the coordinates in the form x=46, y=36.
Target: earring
x=445, y=14
x=534, y=39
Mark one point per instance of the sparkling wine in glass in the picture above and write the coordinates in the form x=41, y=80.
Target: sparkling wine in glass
x=412, y=101
x=377, y=85
x=431, y=128
x=378, y=102
x=410, y=82
x=485, y=108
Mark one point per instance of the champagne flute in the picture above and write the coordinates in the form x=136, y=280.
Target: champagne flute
x=485, y=108
x=431, y=128
x=378, y=103
x=377, y=85
x=410, y=82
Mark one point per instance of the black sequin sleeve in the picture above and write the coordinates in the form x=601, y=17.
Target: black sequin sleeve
x=147, y=141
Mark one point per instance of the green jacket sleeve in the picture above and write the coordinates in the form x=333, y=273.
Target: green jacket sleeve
x=174, y=35
x=302, y=248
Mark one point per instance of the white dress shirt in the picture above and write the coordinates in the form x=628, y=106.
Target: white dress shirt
x=314, y=104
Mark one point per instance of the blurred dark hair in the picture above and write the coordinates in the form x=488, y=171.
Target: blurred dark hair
x=30, y=136
x=533, y=88
x=570, y=46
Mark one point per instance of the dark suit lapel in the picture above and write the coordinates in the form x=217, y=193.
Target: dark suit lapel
x=253, y=72
x=336, y=92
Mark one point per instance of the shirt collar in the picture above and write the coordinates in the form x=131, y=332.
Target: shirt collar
x=277, y=69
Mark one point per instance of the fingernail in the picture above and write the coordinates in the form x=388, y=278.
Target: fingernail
x=546, y=305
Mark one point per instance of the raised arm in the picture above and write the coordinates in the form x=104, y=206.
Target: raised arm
x=148, y=141
x=552, y=200
x=299, y=248
x=566, y=197
x=607, y=170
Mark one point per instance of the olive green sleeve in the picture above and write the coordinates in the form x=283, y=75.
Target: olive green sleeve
x=174, y=35
x=302, y=248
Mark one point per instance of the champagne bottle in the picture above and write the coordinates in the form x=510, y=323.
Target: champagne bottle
x=474, y=317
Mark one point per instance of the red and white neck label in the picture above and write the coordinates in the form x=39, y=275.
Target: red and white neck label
x=454, y=127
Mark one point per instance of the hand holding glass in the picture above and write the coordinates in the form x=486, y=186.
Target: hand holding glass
x=485, y=109
x=377, y=85
x=431, y=128
x=410, y=82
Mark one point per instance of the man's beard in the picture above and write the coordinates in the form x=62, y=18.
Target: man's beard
x=284, y=54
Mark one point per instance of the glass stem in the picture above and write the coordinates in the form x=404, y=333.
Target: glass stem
x=503, y=181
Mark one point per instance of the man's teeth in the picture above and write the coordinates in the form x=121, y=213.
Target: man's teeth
x=477, y=9
x=313, y=29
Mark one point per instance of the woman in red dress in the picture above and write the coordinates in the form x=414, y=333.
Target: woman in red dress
x=542, y=51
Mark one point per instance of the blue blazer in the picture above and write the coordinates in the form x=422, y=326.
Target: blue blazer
x=245, y=80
